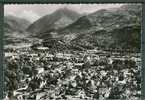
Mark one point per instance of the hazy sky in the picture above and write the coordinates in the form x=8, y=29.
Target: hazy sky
x=33, y=12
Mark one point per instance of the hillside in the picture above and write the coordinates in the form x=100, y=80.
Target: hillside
x=107, y=28
x=12, y=23
x=58, y=19
x=15, y=29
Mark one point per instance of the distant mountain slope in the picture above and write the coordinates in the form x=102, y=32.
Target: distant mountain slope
x=12, y=23
x=59, y=19
x=15, y=30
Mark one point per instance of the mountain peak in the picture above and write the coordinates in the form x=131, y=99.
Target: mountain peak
x=58, y=19
x=67, y=12
x=64, y=9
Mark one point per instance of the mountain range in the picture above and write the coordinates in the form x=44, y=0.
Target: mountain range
x=106, y=28
x=115, y=28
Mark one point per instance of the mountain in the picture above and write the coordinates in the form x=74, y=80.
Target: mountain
x=12, y=23
x=14, y=28
x=112, y=28
x=107, y=19
x=58, y=19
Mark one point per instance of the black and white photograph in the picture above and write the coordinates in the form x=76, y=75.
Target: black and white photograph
x=72, y=51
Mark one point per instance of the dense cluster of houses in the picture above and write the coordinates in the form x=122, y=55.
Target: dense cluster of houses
x=84, y=75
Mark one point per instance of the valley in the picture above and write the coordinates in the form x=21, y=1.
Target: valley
x=70, y=56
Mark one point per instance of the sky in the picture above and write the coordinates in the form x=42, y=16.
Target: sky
x=32, y=12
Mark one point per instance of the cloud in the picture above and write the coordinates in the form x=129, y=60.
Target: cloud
x=29, y=15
